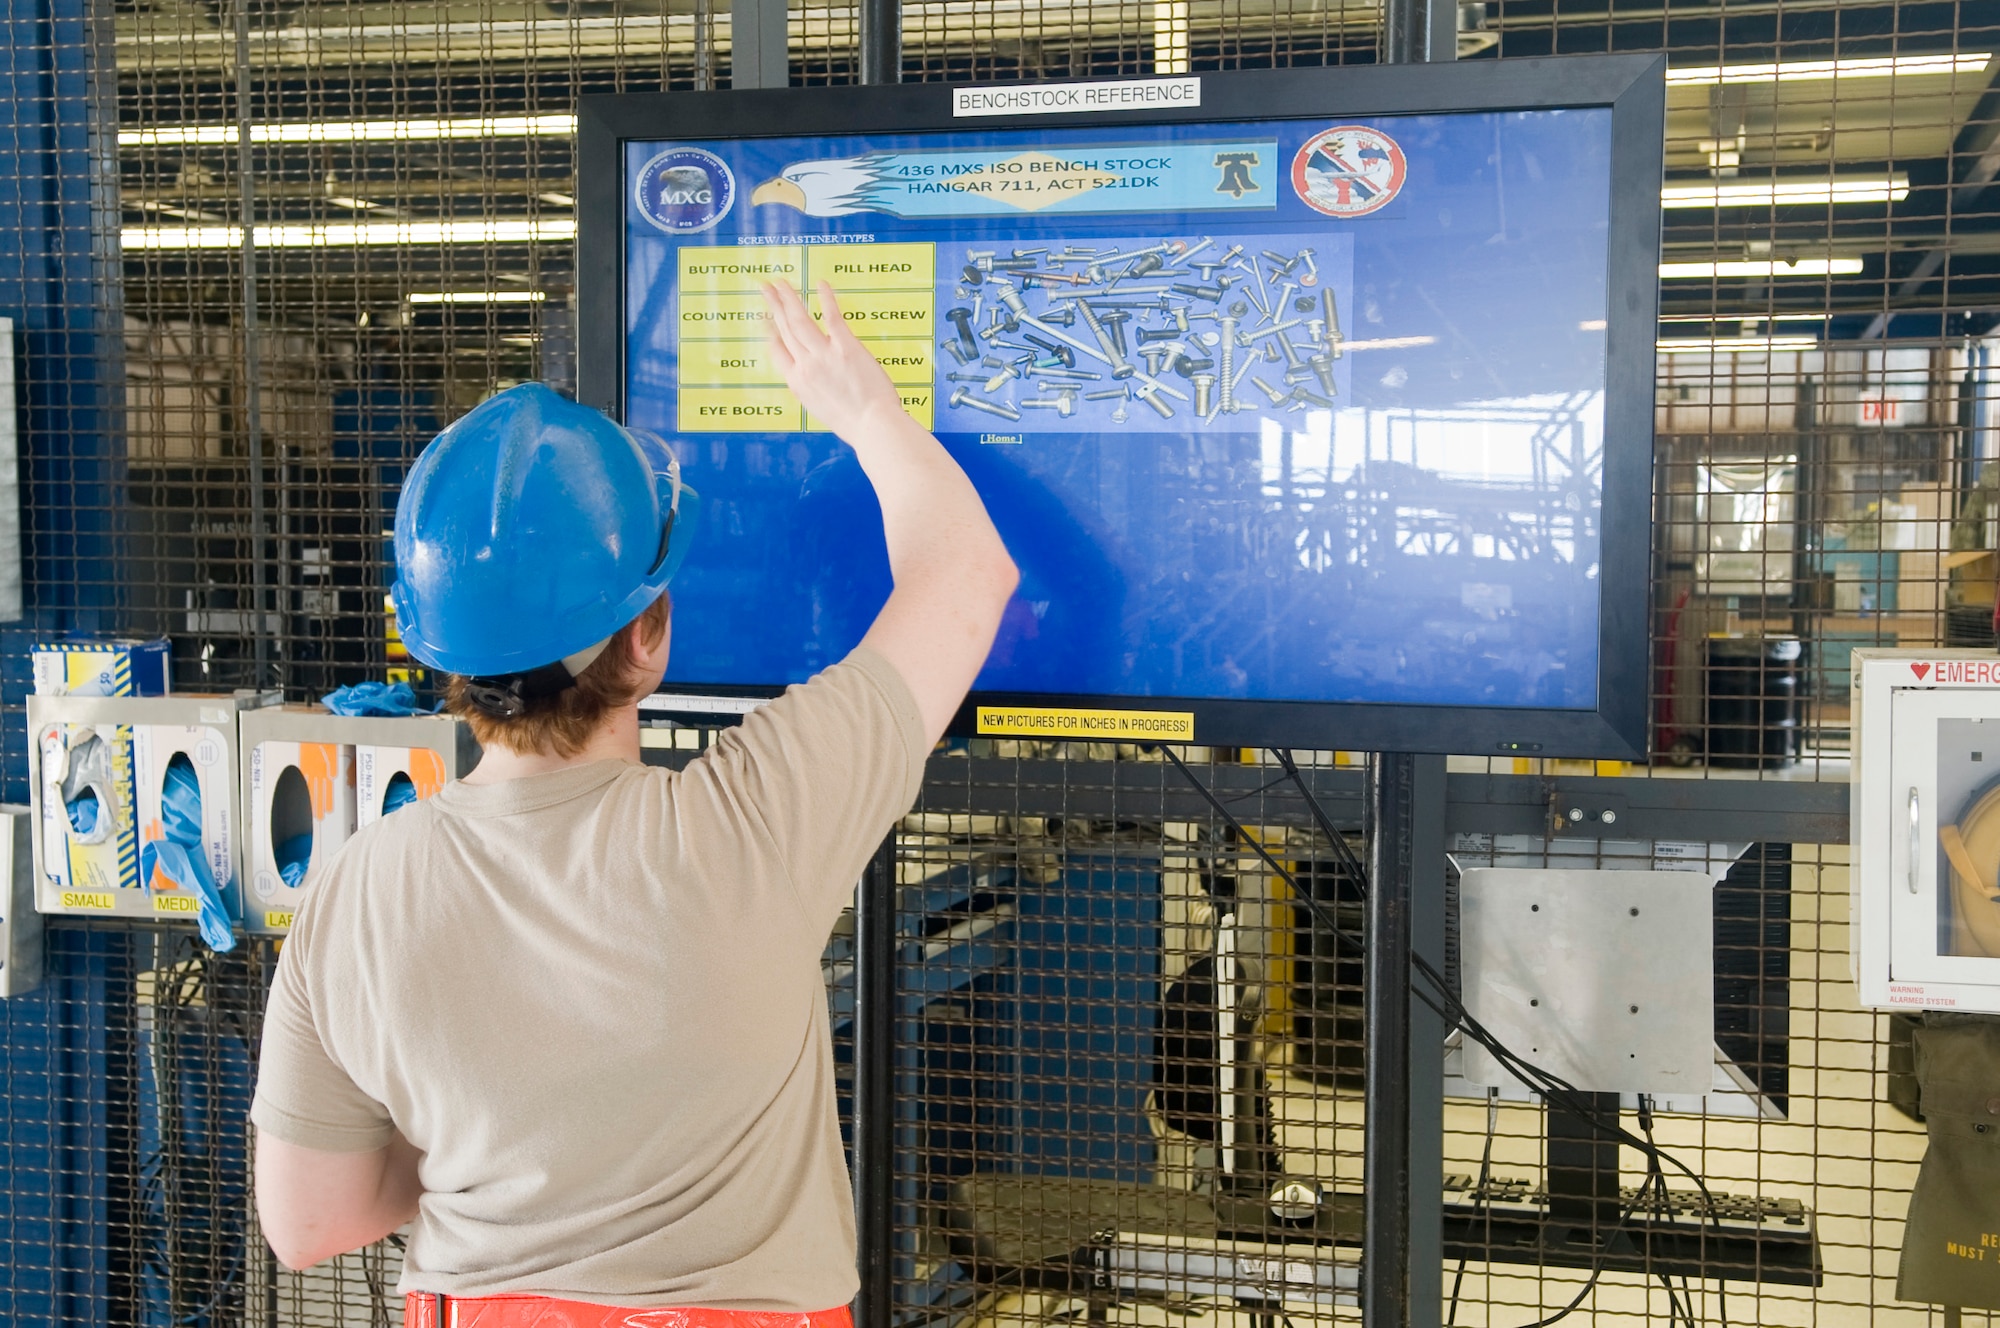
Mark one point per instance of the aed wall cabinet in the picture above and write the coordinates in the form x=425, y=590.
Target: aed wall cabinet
x=131, y=797
x=312, y=778
x=398, y=760
x=1925, y=818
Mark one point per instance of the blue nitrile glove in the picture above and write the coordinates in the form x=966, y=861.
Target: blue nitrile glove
x=294, y=856
x=83, y=812
x=179, y=858
x=373, y=698
x=400, y=793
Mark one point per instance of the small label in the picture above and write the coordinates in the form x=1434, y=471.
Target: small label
x=89, y=900
x=1125, y=94
x=278, y=920
x=1087, y=725
x=176, y=904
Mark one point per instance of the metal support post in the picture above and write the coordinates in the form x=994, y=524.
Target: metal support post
x=251, y=405
x=881, y=53
x=759, y=46
x=1425, y=1216
x=1385, y=1039
x=1419, y=31
x=875, y=1085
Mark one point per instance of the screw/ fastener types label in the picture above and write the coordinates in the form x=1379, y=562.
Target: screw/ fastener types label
x=727, y=381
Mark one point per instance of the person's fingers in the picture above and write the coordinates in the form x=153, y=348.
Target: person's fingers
x=788, y=312
x=774, y=324
x=838, y=329
x=781, y=354
x=830, y=306
x=780, y=304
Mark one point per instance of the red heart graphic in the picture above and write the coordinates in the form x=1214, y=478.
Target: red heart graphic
x=1920, y=670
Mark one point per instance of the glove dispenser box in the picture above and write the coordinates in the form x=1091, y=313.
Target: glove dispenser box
x=400, y=761
x=298, y=789
x=1924, y=822
x=136, y=806
x=312, y=778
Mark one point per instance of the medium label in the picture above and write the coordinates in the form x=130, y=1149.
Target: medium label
x=1087, y=725
x=176, y=904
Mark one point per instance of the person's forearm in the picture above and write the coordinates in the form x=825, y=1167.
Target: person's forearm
x=316, y=1205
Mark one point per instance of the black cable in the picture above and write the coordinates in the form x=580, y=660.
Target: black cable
x=1662, y=1208
x=1478, y=1190
x=1554, y=1090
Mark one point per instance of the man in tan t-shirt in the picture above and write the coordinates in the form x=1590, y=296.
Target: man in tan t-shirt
x=567, y=1015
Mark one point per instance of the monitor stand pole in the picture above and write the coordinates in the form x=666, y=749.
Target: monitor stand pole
x=1403, y=1045
x=1582, y=1176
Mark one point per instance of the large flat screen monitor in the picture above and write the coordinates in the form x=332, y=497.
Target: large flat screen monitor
x=1315, y=405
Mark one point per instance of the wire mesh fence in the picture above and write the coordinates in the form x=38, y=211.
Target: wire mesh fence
x=260, y=251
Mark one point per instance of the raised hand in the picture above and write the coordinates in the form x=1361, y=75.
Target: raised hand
x=826, y=366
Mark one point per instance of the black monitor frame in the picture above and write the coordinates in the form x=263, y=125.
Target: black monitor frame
x=1632, y=86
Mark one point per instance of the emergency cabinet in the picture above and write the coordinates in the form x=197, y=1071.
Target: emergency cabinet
x=1925, y=829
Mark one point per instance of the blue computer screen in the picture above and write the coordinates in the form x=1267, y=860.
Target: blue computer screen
x=1291, y=410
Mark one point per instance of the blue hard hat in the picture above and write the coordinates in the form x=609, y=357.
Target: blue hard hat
x=532, y=529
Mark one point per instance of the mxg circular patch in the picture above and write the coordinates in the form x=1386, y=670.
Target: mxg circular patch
x=1348, y=171
x=684, y=190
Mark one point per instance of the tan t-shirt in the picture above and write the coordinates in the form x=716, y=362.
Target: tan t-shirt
x=593, y=999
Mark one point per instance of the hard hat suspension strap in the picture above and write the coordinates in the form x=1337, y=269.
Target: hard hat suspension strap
x=507, y=696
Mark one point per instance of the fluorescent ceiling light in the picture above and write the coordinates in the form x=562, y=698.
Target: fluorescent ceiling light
x=557, y=200
x=354, y=204
x=1793, y=71
x=1732, y=345
x=1785, y=193
x=342, y=235
x=1762, y=267
x=477, y=297
x=357, y=131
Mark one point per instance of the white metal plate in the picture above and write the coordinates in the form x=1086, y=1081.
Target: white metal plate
x=1605, y=978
